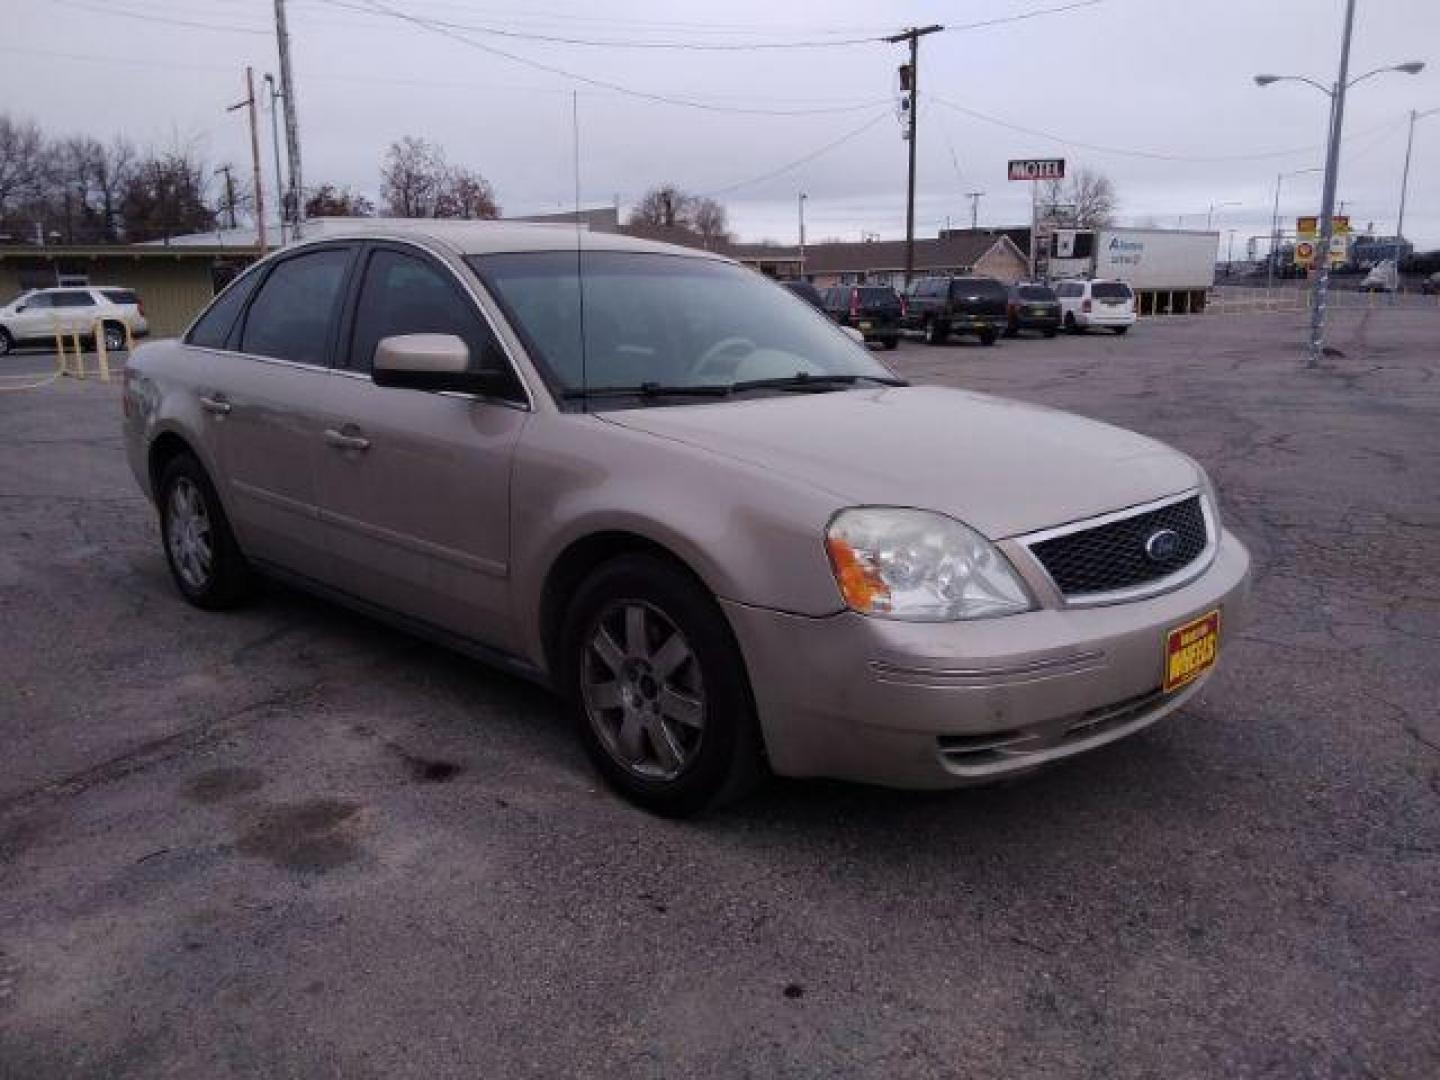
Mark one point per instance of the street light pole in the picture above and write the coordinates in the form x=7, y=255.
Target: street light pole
x=275, y=143
x=1327, y=198
x=1405, y=183
x=1275, y=224
x=1336, y=93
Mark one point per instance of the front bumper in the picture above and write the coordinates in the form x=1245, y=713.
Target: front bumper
x=934, y=705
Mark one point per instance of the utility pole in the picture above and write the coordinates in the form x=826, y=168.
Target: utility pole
x=275, y=145
x=974, y=197
x=910, y=80
x=249, y=105
x=802, y=235
x=229, y=193
x=295, y=199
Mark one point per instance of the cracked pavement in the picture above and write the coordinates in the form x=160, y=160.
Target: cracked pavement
x=290, y=842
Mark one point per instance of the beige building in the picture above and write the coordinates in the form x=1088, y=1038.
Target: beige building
x=882, y=262
x=174, y=283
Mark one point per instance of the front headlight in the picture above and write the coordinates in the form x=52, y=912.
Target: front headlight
x=897, y=563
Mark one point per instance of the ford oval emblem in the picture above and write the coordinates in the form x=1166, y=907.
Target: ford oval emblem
x=1163, y=544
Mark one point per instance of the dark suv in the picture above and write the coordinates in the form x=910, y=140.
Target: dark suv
x=1032, y=307
x=941, y=306
x=875, y=310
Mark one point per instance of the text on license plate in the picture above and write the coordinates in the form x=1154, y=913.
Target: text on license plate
x=1190, y=650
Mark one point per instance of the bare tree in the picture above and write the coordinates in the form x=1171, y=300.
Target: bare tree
x=328, y=200
x=167, y=195
x=665, y=206
x=22, y=163
x=412, y=177
x=466, y=194
x=708, y=218
x=1085, y=201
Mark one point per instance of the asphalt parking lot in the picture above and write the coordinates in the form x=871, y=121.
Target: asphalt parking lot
x=290, y=842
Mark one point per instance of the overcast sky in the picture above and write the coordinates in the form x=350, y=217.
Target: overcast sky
x=1163, y=86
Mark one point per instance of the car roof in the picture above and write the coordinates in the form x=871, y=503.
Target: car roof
x=492, y=237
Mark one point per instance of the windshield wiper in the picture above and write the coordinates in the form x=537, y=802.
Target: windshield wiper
x=647, y=390
x=803, y=380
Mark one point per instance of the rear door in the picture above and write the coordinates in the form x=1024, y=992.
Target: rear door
x=74, y=309
x=265, y=401
x=415, y=485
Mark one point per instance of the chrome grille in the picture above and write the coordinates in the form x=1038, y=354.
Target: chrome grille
x=1113, y=557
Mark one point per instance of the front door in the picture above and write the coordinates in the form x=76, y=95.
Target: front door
x=266, y=405
x=414, y=486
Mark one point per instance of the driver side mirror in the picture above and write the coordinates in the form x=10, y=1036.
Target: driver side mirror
x=434, y=362
x=19, y=308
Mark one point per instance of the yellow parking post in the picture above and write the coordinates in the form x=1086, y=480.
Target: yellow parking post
x=79, y=355
x=129, y=338
x=60, y=347
x=102, y=355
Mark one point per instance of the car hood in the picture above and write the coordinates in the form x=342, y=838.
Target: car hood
x=1003, y=467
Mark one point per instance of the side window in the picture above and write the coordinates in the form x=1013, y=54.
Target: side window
x=71, y=298
x=405, y=294
x=38, y=302
x=291, y=316
x=212, y=329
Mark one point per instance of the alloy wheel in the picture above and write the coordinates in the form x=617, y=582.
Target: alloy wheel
x=642, y=690
x=188, y=534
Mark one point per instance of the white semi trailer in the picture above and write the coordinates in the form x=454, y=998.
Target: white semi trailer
x=1170, y=270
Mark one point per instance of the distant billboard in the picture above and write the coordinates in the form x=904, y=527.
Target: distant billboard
x=1038, y=169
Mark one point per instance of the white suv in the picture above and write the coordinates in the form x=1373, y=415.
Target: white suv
x=36, y=315
x=1084, y=304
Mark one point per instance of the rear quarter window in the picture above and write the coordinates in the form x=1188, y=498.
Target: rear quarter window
x=1111, y=290
x=1034, y=292
x=120, y=296
x=985, y=288
x=212, y=329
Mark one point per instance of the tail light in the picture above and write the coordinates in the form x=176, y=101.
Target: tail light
x=140, y=307
x=1085, y=305
x=904, y=307
x=854, y=303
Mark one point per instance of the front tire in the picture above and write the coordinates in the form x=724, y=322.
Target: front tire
x=114, y=335
x=6, y=342
x=208, y=567
x=658, y=688
x=1071, y=326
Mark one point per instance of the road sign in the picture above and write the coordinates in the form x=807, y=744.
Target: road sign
x=1038, y=169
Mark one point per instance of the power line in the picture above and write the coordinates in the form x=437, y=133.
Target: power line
x=1022, y=16
x=801, y=160
x=559, y=39
x=603, y=84
x=1118, y=151
x=165, y=19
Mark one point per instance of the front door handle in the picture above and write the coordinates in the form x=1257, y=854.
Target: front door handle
x=217, y=405
x=341, y=441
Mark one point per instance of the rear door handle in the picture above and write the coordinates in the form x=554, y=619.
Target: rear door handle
x=341, y=441
x=217, y=405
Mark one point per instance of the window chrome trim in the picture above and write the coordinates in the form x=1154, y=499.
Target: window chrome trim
x=1168, y=583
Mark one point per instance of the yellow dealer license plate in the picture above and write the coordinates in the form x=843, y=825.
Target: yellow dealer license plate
x=866, y=325
x=1190, y=650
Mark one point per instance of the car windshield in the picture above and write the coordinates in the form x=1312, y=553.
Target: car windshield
x=1110, y=290
x=877, y=296
x=654, y=323
x=17, y=298
x=1035, y=292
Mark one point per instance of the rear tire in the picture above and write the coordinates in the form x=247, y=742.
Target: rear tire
x=1071, y=326
x=661, y=699
x=1049, y=333
x=1012, y=329
x=6, y=342
x=208, y=567
x=987, y=337
x=1122, y=329
x=114, y=337
x=892, y=343
x=933, y=334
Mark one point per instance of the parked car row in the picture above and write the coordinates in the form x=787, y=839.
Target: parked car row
x=938, y=308
x=36, y=315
